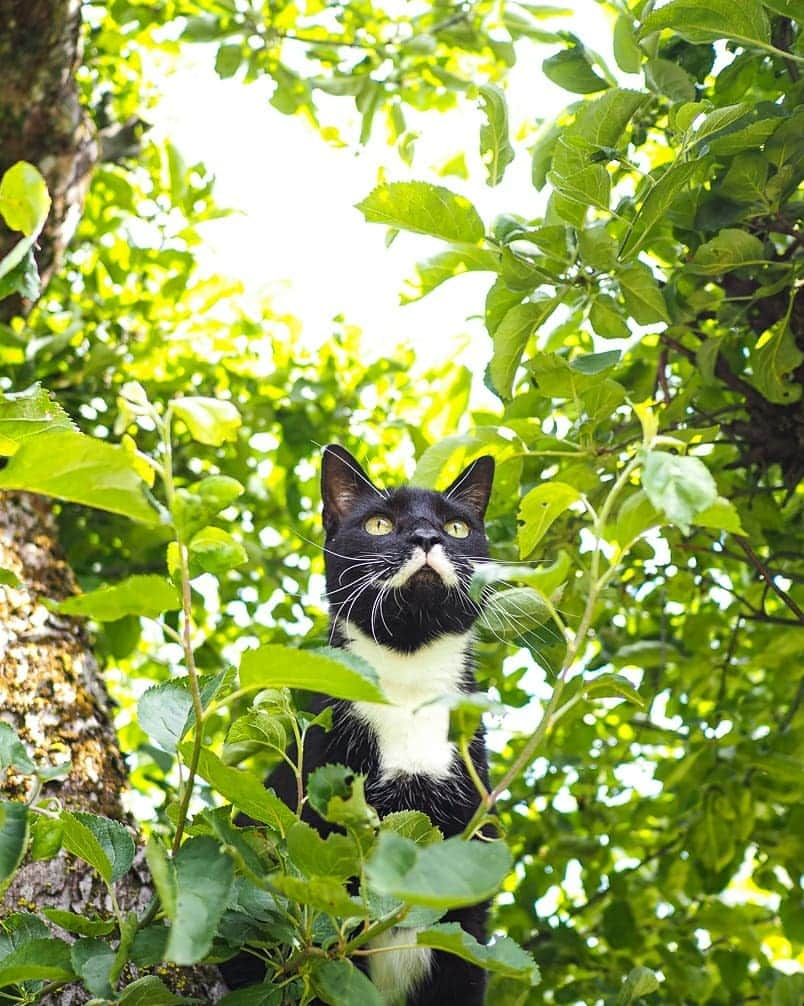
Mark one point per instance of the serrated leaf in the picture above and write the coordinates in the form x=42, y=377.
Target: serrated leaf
x=510, y=613
x=327, y=670
x=215, y=551
x=679, y=487
x=335, y=857
x=13, y=839
x=24, y=199
x=150, y=991
x=163, y=713
x=82, y=925
x=641, y=293
x=447, y=874
x=412, y=824
x=454, y=261
x=322, y=893
x=504, y=956
x=37, y=960
x=246, y=792
x=337, y=793
x=113, y=839
x=511, y=337
x=728, y=250
x=640, y=982
x=209, y=420
x=539, y=509
x=71, y=466
x=655, y=207
x=723, y=515
x=773, y=359
x=340, y=983
x=745, y=22
x=204, y=875
x=27, y=414
x=425, y=209
x=148, y=596
x=572, y=70
x=608, y=685
x=13, y=753
x=636, y=515
x=496, y=151
x=92, y=961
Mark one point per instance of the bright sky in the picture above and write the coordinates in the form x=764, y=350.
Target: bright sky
x=299, y=234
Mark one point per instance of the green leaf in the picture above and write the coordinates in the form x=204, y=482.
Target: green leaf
x=256, y=995
x=412, y=824
x=679, y=487
x=326, y=670
x=82, y=925
x=8, y=578
x=503, y=957
x=425, y=209
x=46, y=836
x=113, y=839
x=79, y=839
x=595, y=363
x=655, y=207
x=246, y=792
x=773, y=359
x=150, y=991
x=92, y=961
x=148, y=596
x=339, y=983
x=627, y=53
x=29, y=413
x=447, y=874
x=640, y=982
x=209, y=420
x=636, y=515
x=608, y=685
x=203, y=876
x=602, y=122
x=228, y=60
x=788, y=990
x=164, y=713
x=24, y=199
x=510, y=613
x=456, y=260
x=257, y=730
x=729, y=249
x=539, y=508
x=641, y=293
x=37, y=960
x=216, y=551
x=77, y=468
x=722, y=514
x=323, y=893
x=745, y=22
x=606, y=318
x=338, y=794
x=13, y=753
x=13, y=839
x=511, y=337
x=335, y=857
x=572, y=70
x=746, y=179
x=496, y=151
x=668, y=78
x=194, y=508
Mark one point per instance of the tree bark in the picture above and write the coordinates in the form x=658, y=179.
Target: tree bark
x=51, y=689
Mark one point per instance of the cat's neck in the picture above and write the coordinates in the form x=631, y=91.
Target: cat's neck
x=437, y=668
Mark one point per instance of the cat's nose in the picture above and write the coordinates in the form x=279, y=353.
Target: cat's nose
x=425, y=537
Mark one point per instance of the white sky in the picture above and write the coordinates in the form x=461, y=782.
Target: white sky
x=299, y=235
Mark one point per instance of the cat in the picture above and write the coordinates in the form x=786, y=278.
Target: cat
x=398, y=566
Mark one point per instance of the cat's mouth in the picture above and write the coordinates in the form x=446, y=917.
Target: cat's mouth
x=426, y=567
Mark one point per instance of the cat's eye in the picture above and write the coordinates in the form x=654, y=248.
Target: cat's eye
x=457, y=528
x=379, y=525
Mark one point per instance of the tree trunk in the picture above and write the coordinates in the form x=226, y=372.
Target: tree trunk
x=51, y=689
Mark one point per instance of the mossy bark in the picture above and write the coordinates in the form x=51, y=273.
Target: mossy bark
x=51, y=688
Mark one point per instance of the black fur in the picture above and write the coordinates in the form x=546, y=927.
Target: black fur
x=422, y=610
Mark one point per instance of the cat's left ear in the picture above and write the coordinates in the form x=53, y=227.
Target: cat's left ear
x=472, y=487
x=343, y=482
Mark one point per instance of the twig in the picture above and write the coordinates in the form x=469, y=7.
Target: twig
x=768, y=577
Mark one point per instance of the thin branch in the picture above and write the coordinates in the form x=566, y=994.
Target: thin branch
x=768, y=577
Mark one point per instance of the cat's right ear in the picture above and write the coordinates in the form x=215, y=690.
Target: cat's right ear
x=343, y=482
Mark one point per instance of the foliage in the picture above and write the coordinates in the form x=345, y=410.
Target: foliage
x=646, y=349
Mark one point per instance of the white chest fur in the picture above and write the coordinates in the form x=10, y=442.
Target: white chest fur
x=412, y=735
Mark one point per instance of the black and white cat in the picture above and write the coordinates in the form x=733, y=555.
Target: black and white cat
x=398, y=567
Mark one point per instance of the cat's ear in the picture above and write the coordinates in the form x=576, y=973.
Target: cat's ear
x=343, y=482
x=472, y=487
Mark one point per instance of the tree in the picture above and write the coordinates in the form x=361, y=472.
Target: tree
x=661, y=767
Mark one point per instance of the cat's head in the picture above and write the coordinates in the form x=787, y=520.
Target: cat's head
x=399, y=561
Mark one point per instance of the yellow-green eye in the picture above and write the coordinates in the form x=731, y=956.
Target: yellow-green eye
x=379, y=525
x=457, y=528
